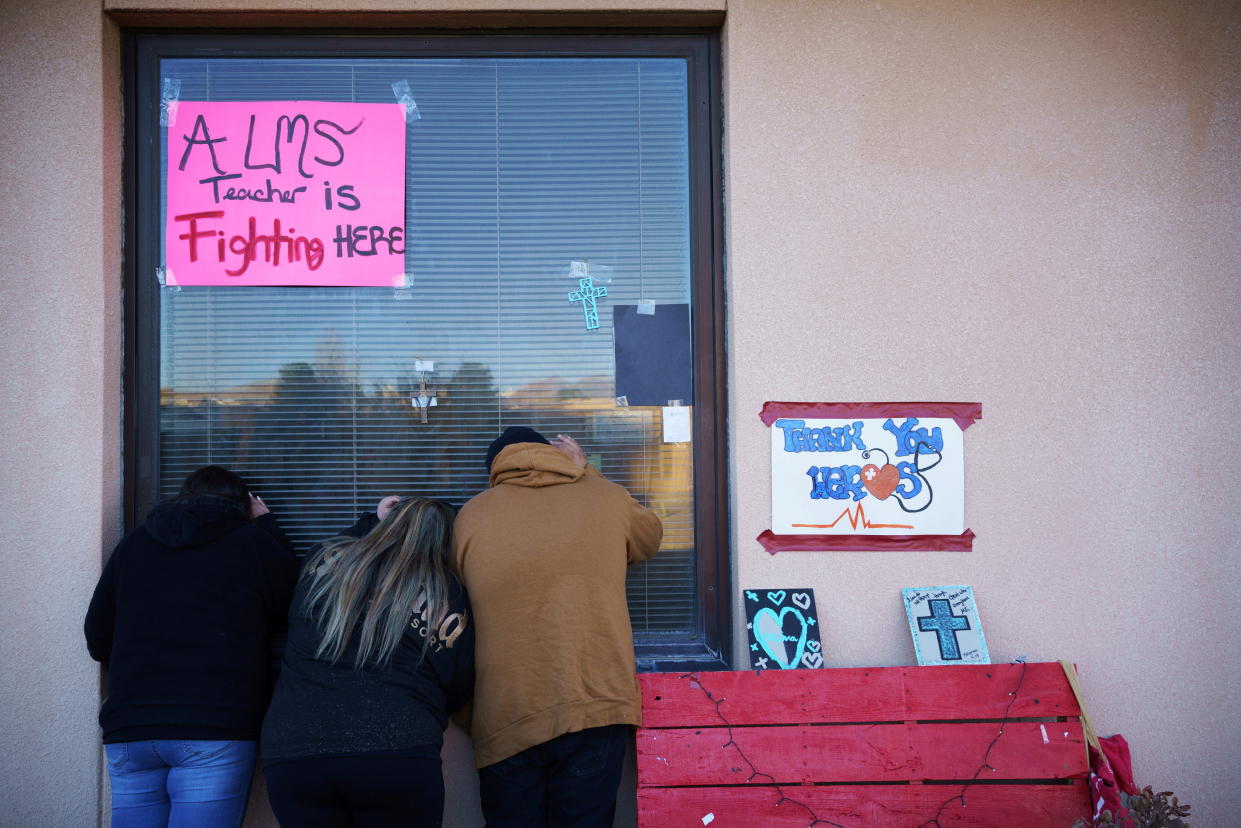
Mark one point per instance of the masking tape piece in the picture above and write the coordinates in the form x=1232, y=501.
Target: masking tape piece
x=169, y=100
x=402, y=283
x=405, y=97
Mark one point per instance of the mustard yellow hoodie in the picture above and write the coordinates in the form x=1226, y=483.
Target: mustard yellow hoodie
x=543, y=555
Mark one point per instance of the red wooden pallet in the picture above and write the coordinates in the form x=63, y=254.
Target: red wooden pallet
x=890, y=746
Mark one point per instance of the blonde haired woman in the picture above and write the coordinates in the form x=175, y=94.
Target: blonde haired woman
x=381, y=650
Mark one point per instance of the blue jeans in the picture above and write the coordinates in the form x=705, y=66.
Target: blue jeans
x=179, y=783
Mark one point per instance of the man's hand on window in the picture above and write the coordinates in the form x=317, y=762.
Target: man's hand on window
x=569, y=447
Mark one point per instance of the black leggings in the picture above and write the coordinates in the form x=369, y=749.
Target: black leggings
x=365, y=790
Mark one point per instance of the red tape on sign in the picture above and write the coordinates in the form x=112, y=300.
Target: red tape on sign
x=964, y=413
x=774, y=543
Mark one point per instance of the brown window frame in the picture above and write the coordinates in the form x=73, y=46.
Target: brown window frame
x=709, y=647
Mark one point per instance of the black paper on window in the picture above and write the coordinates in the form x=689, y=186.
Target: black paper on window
x=653, y=365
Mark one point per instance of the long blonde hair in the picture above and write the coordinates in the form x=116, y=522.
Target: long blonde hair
x=370, y=586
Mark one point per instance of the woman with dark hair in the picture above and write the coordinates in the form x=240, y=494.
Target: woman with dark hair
x=183, y=618
x=380, y=651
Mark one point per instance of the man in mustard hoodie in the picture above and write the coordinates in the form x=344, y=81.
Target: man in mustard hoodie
x=543, y=555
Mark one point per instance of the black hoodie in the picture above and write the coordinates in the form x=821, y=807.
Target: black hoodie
x=183, y=618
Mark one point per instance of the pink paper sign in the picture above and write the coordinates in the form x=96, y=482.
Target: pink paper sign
x=286, y=193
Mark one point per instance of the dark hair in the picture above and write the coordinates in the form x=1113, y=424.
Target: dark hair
x=217, y=481
x=511, y=436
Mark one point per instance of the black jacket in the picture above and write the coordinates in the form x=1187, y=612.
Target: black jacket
x=323, y=709
x=183, y=618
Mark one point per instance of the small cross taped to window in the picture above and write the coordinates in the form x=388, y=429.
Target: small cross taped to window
x=426, y=398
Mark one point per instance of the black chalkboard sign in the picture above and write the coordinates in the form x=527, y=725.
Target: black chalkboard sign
x=783, y=629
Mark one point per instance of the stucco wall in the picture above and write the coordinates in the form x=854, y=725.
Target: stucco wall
x=1032, y=205
x=60, y=150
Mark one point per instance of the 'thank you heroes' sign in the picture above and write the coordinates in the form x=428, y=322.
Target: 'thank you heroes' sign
x=286, y=193
x=868, y=475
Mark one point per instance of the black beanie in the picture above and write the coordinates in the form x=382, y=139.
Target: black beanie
x=511, y=436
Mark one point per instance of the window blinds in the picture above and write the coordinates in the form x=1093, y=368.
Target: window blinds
x=516, y=168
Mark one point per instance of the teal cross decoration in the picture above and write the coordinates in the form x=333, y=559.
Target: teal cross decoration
x=945, y=624
x=586, y=294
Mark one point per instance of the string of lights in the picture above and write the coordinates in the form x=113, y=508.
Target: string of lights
x=755, y=773
x=933, y=822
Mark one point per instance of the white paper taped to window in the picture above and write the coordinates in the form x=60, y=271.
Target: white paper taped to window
x=676, y=424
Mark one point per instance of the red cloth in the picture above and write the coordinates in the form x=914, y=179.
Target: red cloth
x=1111, y=772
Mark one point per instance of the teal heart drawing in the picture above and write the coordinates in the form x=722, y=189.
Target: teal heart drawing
x=769, y=633
x=776, y=598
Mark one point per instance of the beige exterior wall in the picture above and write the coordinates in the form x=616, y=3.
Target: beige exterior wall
x=60, y=484
x=1033, y=205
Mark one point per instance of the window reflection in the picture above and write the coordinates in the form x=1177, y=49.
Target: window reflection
x=517, y=168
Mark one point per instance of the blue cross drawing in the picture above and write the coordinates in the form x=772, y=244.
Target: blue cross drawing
x=944, y=624
x=586, y=294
